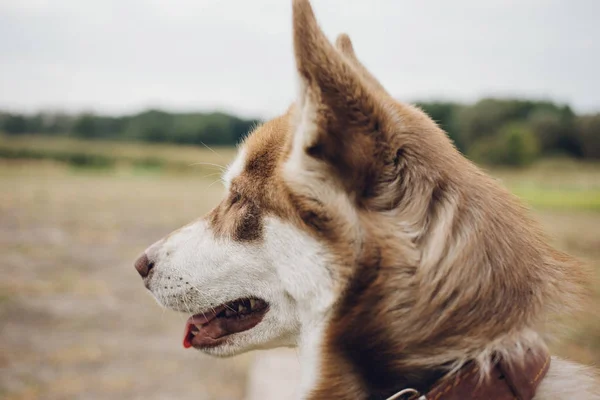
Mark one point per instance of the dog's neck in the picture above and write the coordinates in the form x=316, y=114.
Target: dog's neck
x=353, y=352
x=358, y=382
x=355, y=371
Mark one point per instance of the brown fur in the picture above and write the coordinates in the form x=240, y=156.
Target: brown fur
x=481, y=275
x=447, y=268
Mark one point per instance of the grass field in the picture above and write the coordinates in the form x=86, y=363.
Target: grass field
x=76, y=320
x=113, y=155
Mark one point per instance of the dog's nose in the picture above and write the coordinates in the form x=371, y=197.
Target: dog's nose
x=143, y=265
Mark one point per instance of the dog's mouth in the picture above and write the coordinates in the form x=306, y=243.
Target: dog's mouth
x=211, y=328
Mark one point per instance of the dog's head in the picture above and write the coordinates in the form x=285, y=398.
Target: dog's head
x=273, y=256
x=350, y=197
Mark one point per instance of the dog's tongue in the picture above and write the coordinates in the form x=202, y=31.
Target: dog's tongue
x=207, y=332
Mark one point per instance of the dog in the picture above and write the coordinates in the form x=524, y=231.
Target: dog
x=353, y=229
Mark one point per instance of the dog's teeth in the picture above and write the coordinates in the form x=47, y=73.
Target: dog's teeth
x=252, y=304
x=241, y=308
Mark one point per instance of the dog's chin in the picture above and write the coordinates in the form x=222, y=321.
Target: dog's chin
x=231, y=347
x=251, y=340
x=227, y=349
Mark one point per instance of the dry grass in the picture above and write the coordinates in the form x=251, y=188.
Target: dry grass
x=556, y=184
x=128, y=151
x=76, y=320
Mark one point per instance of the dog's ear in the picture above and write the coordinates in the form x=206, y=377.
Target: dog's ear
x=325, y=76
x=342, y=119
x=344, y=46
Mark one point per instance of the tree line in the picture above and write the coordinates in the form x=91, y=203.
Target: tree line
x=516, y=131
x=493, y=131
x=150, y=126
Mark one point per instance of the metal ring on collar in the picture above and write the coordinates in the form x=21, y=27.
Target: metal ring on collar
x=405, y=392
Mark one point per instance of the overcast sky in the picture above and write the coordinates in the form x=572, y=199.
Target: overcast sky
x=119, y=56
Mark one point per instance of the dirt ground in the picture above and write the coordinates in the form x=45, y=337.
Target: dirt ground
x=76, y=321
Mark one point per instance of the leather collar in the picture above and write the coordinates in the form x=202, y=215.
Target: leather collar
x=505, y=382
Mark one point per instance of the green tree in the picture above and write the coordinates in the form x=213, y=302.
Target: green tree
x=556, y=131
x=515, y=144
x=520, y=144
x=14, y=124
x=152, y=125
x=588, y=132
x=85, y=126
x=487, y=116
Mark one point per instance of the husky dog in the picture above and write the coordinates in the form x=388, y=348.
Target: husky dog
x=353, y=229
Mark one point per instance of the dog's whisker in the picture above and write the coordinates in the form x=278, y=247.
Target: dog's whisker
x=204, y=300
x=218, y=180
x=187, y=307
x=221, y=167
x=227, y=306
x=178, y=307
x=201, y=295
x=209, y=175
x=211, y=149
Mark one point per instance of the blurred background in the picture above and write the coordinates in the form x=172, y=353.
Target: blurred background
x=117, y=117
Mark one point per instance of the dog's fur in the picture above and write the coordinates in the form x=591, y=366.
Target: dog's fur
x=385, y=255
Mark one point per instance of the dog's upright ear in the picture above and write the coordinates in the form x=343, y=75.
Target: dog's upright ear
x=344, y=46
x=343, y=122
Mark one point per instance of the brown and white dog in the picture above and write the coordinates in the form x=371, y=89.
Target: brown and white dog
x=353, y=229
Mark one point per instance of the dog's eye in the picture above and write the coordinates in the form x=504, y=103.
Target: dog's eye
x=235, y=197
